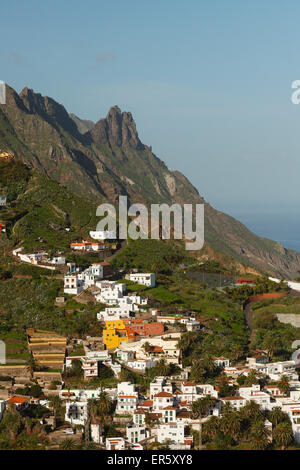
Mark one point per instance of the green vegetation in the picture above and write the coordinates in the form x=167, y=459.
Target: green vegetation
x=152, y=256
x=21, y=310
x=246, y=429
x=262, y=286
x=285, y=305
x=273, y=336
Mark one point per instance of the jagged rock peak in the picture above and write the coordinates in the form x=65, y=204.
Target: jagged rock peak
x=49, y=109
x=118, y=128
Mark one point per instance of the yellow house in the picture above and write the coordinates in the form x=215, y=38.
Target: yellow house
x=114, y=325
x=114, y=334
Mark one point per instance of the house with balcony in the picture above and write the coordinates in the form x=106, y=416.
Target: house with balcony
x=76, y=412
x=127, y=398
x=136, y=433
x=145, y=279
x=72, y=284
x=174, y=432
x=161, y=400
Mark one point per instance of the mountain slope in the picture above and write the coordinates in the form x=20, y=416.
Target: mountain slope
x=110, y=160
x=83, y=125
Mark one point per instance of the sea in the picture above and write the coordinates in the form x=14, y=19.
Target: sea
x=282, y=227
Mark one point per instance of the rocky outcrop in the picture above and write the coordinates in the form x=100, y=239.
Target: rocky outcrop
x=110, y=160
x=117, y=129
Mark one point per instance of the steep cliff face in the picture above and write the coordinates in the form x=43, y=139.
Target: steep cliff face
x=109, y=160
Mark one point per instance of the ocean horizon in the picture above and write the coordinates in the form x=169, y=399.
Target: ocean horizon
x=283, y=227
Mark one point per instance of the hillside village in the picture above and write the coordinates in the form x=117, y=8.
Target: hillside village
x=129, y=387
x=134, y=345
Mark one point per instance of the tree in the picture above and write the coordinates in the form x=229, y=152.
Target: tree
x=31, y=366
x=276, y=416
x=92, y=410
x=272, y=343
x=211, y=427
x=200, y=409
x=259, y=435
x=56, y=404
x=162, y=368
x=283, y=385
x=231, y=424
x=252, y=411
x=67, y=444
x=197, y=371
x=251, y=379
x=283, y=434
x=225, y=389
x=105, y=405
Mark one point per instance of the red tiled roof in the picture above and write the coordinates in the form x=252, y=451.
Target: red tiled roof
x=155, y=415
x=163, y=394
x=147, y=403
x=17, y=400
x=232, y=398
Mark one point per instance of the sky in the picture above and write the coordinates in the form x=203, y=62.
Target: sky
x=207, y=81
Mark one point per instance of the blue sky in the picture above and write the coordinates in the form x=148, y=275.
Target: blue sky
x=208, y=83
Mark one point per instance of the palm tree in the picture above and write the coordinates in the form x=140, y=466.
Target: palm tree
x=105, y=405
x=56, y=404
x=283, y=385
x=208, y=364
x=67, y=444
x=92, y=410
x=283, y=434
x=252, y=411
x=31, y=366
x=276, y=416
x=200, y=409
x=162, y=367
x=211, y=427
x=259, y=435
x=231, y=424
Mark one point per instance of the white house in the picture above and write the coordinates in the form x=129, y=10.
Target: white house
x=125, y=356
x=145, y=279
x=161, y=400
x=72, y=284
x=221, y=362
x=171, y=431
x=160, y=384
x=139, y=416
x=115, y=443
x=191, y=392
x=236, y=402
x=115, y=313
x=254, y=393
x=142, y=364
x=111, y=285
x=97, y=435
x=32, y=258
x=76, y=412
x=136, y=433
x=276, y=369
x=193, y=325
x=2, y=200
x=58, y=260
x=103, y=234
x=127, y=398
